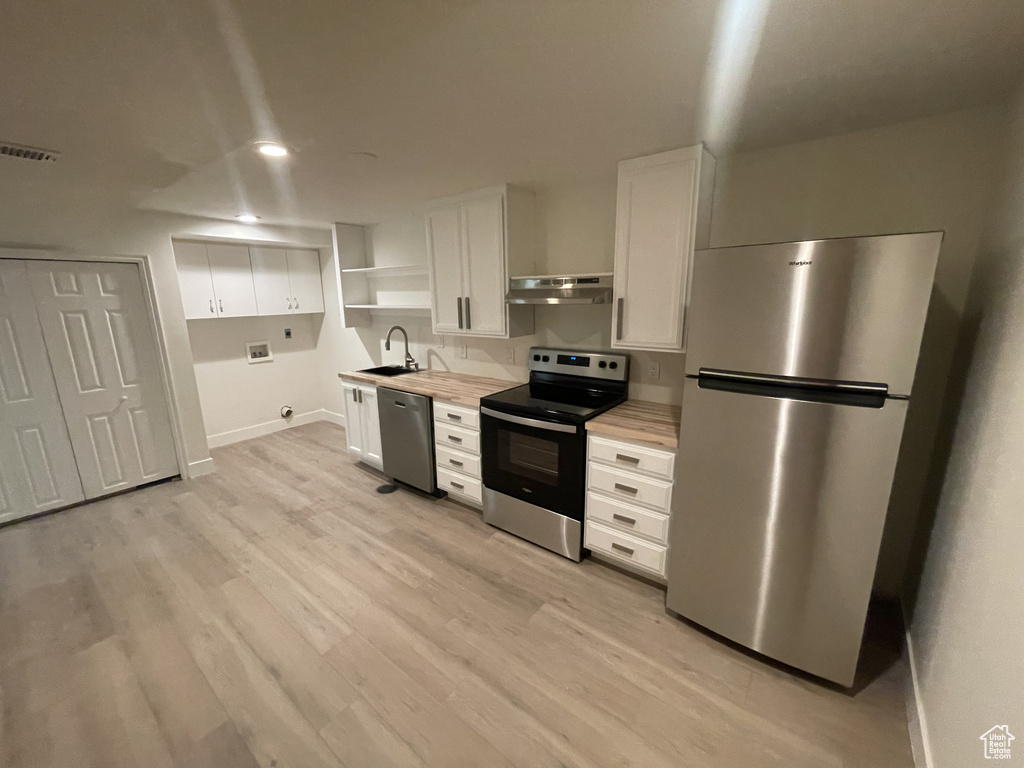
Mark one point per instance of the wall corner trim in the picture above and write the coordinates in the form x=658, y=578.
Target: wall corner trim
x=917, y=723
x=200, y=468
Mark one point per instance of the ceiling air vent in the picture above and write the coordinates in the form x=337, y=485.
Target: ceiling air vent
x=27, y=153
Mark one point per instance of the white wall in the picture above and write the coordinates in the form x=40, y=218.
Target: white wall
x=967, y=632
x=242, y=400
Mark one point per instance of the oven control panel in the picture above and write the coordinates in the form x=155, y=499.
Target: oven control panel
x=598, y=365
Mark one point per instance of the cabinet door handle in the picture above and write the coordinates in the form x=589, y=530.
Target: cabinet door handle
x=625, y=488
x=621, y=548
x=455, y=462
x=220, y=303
x=212, y=310
x=458, y=302
x=627, y=459
x=359, y=395
x=623, y=519
x=469, y=321
x=455, y=439
x=289, y=303
x=619, y=305
x=296, y=302
x=460, y=486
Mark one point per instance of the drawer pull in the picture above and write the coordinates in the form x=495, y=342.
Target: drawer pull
x=624, y=519
x=455, y=462
x=455, y=439
x=627, y=459
x=626, y=488
x=454, y=417
x=460, y=486
x=620, y=548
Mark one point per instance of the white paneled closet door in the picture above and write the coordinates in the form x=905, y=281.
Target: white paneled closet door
x=37, y=465
x=105, y=363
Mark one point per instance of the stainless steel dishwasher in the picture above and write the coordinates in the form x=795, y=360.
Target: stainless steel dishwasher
x=407, y=438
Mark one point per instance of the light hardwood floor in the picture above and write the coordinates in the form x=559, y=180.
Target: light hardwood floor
x=281, y=613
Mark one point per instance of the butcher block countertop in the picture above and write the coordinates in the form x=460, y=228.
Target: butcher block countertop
x=453, y=387
x=655, y=423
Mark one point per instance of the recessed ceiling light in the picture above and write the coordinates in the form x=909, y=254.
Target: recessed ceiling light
x=271, y=149
x=247, y=218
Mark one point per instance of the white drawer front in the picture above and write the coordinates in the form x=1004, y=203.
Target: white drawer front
x=459, y=415
x=455, y=461
x=457, y=437
x=630, y=486
x=460, y=484
x=628, y=517
x=624, y=547
x=629, y=456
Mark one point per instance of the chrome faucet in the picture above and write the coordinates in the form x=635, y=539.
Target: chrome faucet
x=409, y=362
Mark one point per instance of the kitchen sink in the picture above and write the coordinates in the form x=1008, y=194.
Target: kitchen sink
x=389, y=370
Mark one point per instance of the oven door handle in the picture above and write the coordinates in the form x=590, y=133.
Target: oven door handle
x=551, y=426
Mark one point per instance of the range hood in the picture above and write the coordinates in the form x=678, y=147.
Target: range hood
x=594, y=288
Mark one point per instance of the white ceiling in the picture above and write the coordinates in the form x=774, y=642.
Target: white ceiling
x=154, y=104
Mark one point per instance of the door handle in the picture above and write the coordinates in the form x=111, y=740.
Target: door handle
x=212, y=310
x=550, y=426
x=627, y=459
x=122, y=401
x=469, y=321
x=623, y=519
x=458, y=302
x=626, y=488
x=620, y=548
x=619, y=306
x=220, y=302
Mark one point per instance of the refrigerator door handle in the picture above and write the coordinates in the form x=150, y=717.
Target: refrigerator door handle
x=862, y=387
x=852, y=393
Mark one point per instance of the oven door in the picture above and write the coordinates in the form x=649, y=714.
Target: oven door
x=541, y=462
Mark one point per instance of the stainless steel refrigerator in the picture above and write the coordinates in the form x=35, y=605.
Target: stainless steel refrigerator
x=799, y=369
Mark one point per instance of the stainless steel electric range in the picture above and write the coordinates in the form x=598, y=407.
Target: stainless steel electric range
x=534, y=444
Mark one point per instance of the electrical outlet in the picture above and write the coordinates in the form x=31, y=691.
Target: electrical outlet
x=511, y=356
x=439, y=343
x=287, y=333
x=653, y=370
x=462, y=351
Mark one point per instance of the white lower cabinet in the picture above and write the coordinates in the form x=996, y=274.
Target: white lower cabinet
x=457, y=452
x=362, y=423
x=629, y=503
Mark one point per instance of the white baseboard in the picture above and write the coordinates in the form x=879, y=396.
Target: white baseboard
x=334, y=418
x=259, y=430
x=916, y=722
x=200, y=468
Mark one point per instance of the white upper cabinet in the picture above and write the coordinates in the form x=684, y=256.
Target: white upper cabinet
x=228, y=280
x=304, y=276
x=270, y=276
x=473, y=241
x=232, y=280
x=444, y=252
x=196, y=280
x=663, y=214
